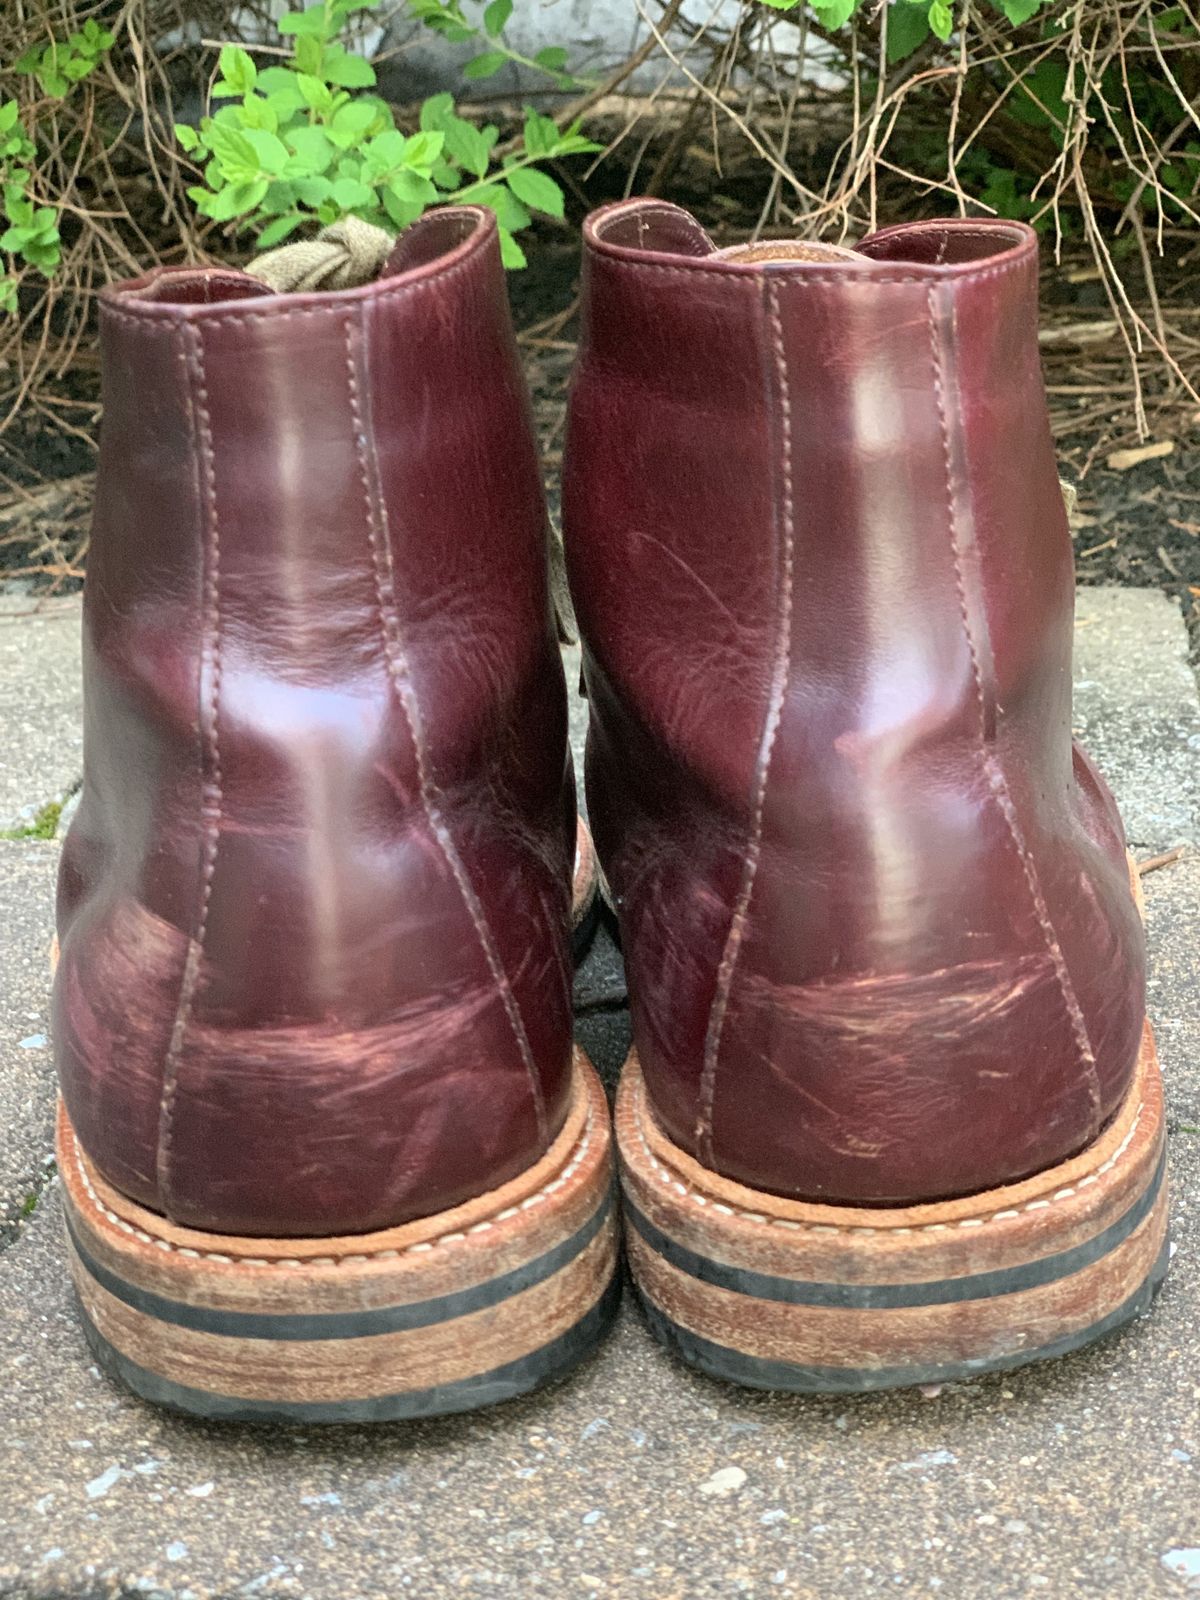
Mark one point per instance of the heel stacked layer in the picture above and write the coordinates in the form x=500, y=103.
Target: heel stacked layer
x=447, y=1313
x=780, y=1294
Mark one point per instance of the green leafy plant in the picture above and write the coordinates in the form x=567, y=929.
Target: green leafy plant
x=302, y=142
x=448, y=18
x=910, y=22
x=32, y=232
x=61, y=64
x=32, y=235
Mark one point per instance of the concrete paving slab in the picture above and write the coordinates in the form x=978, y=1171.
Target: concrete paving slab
x=41, y=707
x=1137, y=711
x=636, y=1477
x=27, y=872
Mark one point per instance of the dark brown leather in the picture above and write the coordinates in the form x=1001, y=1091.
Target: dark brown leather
x=315, y=905
x=874, y=904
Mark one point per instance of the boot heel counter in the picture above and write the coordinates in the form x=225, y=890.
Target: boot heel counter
x=321, y=980
x=910, y=1081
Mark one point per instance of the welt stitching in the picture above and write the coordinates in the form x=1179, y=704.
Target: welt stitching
x=212, y=797
x=997, y=782
x=737, y=926
x=688, y=1192
x=385, y=590
x=455, y=1236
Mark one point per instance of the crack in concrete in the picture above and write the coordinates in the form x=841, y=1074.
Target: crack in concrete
x=18, y=1213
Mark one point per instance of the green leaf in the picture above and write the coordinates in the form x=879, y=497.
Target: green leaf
x=510, y=213
x=46, y=257
x=423, y=149
x=237, y=157
x=1019, y=11
x=255, y=112
x=907, y=27
x=314, y=191
x=350, y=194
x=495, y=17
x=1038, y=98
x=187, y=136
x=348, y=71
x=271, y=152
x=309, y=52
x=351, y=122
x=14, y=239
x=238, y=199
x=436, y=111
x=573, y=144
x=300, y=23
x=9, y=112
x=276, y=232
x=485, y=66
x=466, y=145
x=311, y=148
x=552, y=59
x=412, y=189
x=941, y=20
x=511, y=253
x=386, y=149
x=536, y=189
x=541, y=133
x=781, y=5
x=281, y=87
x=837, y=13
x=238, y=69
x=314, y=94
x=401, y=212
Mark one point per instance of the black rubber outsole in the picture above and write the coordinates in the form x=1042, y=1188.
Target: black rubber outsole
x=508, y=1382
x=753, y=1372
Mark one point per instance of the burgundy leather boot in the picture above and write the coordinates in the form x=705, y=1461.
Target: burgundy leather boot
x=327, y=1151
x=894, y=1113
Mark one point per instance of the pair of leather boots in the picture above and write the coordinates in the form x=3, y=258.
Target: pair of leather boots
x=894, y=1113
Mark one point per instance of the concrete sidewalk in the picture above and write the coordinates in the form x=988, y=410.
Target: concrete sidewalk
x=634, y=1477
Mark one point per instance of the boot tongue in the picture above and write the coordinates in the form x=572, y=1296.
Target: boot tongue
x=779, y=252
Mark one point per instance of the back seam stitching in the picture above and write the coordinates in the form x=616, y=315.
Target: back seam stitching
x=212, y=783
x=997, y=782
x=385, y=591
x=737, y=927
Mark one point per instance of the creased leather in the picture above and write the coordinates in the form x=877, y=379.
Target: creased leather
x=315, y=905
x=874, y=904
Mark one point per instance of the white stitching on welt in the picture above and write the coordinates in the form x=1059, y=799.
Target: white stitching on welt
x=689, y=1193
x=991, y=766
x=455, y=1237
